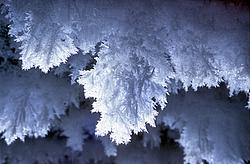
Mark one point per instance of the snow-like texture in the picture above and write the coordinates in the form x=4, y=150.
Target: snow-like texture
x=29, y=101
x=144, y=50
x=213, y=127
x=189, y=42
x=128, y=106
x=194, y=42
x=7, y=45
x=45, y=42
x=78, y=125
x=75, y=64
x=51, y=31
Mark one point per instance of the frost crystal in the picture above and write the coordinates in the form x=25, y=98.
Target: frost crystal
x=212, y=127
x=29, y=101
x=124, y=98
x=129, y=55
x=77, y=126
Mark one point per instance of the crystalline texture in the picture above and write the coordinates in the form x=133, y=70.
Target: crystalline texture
x=29, y=101
x=212, y=126
x=128, y=106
